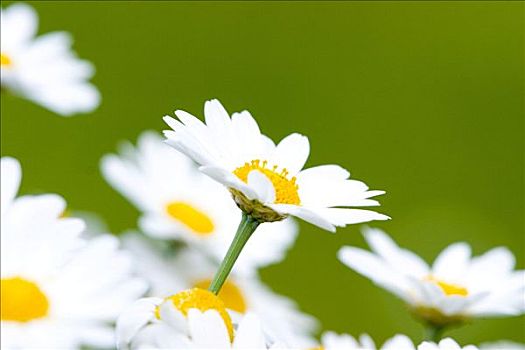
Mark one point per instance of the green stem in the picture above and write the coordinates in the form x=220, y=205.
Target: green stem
x=433, y=333
x=246, y=227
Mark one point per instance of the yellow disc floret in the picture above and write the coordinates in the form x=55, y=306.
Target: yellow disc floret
x=196, y=220
x=203, y=300
x=230, y=294
x=5, y=61
x=286, y=190
x=449, y=288
x=22, y=300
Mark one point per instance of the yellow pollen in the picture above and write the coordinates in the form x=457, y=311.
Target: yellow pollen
x=449, y=288
x=5, y=61
x=190, y=216
x=203, y=300
x=230, y=294
x=285, y=189
x=22, y=300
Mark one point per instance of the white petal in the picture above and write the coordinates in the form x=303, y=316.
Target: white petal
x=452, y=261
x=249, y=335
x=308, y=215
x=291, y=153
x=346, y=216
x=134, y=318
x=229, y=179
x=208, y=329
x=400, y=259
x=10, y=175
x=368, y=265
x=398, y=342
x=262, y=185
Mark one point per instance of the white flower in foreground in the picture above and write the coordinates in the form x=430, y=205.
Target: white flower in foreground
x=334, y=341
x=179, y=202
x=167, y=272
x=455, y=288
x=58, y=291
x=43, y=69
x=267, y=180
x=445, y=344
x=191, y=319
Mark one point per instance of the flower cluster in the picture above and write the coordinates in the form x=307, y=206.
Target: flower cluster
x=218, y=201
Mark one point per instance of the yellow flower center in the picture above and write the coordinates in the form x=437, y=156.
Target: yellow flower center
x=22, y=300
x=190, y=216
x=5, y=61
x=285, y=189
x=230, y=294
x=203, y=300
x=449, y=288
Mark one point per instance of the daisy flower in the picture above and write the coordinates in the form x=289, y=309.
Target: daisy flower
x=58, y=290
x=178, y=202
x=266, y=180
x=241, y=294
x=43, y=69
x=455, y=288
x=334, y=341
x=191, y=319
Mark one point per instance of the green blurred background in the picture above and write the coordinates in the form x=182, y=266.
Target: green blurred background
x=423, y=100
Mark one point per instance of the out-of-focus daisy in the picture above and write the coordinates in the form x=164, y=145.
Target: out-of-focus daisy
x=179, y=202
x=502, y=345
x=58, y=291
x=191, y=319
x=43, y=69
x=456, y=287
x=445, y=344
x=334, y=341
x=267, y=180
x=241, y=294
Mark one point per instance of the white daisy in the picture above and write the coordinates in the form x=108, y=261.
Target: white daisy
x=455, y=288
x=502, y=345
x=58, y=291
x=191, y=319
x=334, y=341
x=267, y=181
x=43, y=69
x=179, y=202
x=167, y=272
x=445, y=344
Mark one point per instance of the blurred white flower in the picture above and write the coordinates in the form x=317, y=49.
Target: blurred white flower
x=502, y=345
x=445, y=344
x=455, y=288
x=191, y=319
x=44, y=69
x=267, y=181
x=167, y=272
x=179, y=202
x=58, y=290
x=334, y=341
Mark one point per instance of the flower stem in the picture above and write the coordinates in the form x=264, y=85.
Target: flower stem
x=433, y=333
x=246, y=227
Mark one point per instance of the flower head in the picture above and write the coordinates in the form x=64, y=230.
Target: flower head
x=267, y=180
x=241, y=294
x=193, y=318
x=180, y=203
x=58, y=290
x=334, y=341
x=43, y=69
x=456, y=287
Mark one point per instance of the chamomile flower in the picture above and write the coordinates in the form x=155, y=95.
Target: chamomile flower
x=58, y=290
x=267, y=180
x=191, y=319
x=43, y=69
x=179, y=202
x=456, y=287
x=334, y=341
x=445, y=344
x=241, y=294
